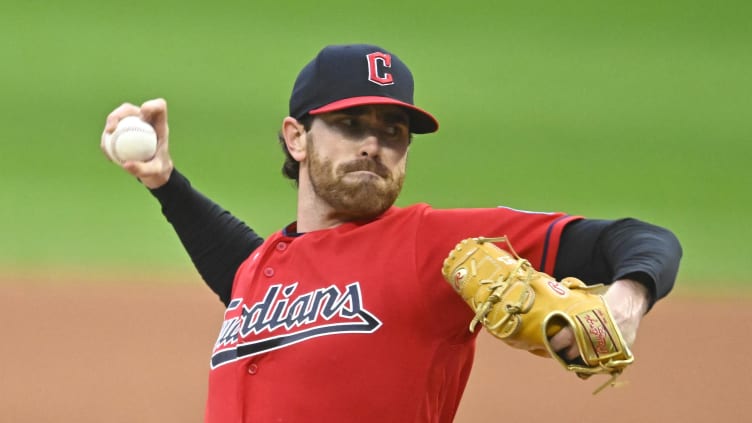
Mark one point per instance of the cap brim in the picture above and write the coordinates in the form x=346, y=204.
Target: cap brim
x=421, y=122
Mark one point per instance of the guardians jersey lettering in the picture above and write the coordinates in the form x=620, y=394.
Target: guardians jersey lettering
x=324, y=311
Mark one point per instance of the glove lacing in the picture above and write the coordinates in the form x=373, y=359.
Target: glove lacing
x=498, y=289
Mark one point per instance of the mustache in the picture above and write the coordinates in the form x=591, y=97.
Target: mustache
x=366, y=165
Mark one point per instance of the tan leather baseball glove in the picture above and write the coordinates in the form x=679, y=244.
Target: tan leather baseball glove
x=524, y=307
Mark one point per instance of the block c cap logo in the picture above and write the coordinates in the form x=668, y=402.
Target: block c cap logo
x=376, y=64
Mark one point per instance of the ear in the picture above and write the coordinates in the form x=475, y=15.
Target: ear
x=295, y=138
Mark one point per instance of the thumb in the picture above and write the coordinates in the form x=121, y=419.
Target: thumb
x=155, y=112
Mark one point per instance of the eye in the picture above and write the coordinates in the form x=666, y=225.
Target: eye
x=348, y=122
x=396, y=130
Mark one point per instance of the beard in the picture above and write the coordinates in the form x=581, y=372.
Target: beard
x=356, y=198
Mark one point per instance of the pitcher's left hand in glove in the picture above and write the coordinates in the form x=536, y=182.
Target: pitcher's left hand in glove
x=524, y=307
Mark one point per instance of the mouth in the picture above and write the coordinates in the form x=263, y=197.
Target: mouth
x=366, y=169
x=363, y=174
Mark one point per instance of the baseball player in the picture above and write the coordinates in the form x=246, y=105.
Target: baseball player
x=343, y=315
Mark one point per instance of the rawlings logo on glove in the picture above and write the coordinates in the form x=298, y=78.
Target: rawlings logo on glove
x=525, y=308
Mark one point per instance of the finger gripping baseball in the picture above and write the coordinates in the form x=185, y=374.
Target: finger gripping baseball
x=524, y=307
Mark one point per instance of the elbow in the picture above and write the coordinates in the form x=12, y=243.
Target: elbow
x=672, y=255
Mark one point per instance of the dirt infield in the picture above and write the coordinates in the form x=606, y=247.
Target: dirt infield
x=82, y=352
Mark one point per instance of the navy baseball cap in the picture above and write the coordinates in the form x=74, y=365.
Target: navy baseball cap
x=343, y=76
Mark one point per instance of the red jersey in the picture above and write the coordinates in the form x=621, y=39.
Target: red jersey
x=356, y=323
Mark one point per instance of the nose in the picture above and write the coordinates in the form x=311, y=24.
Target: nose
x=370, y=146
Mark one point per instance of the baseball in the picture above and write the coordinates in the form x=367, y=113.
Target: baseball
x=133, y=140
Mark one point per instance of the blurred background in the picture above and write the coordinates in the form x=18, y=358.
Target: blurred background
x=604, y=109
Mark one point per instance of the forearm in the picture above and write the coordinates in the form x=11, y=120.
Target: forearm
x=215, y=240
x=605, y=251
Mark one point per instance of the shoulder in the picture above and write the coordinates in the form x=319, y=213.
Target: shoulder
x=486, y=218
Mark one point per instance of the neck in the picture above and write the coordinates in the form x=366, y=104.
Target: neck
x=314, y=214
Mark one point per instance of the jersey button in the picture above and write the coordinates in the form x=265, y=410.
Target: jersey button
x=281, y=246
x=252, y=369
x=268, y=272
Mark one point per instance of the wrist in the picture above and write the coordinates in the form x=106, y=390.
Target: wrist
x=634, y=292
x=157, y=180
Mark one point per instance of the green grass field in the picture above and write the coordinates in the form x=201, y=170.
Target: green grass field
x=628, y=109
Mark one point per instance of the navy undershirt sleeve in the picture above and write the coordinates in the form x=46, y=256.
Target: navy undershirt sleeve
x=216, y=241
x=603, y=251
